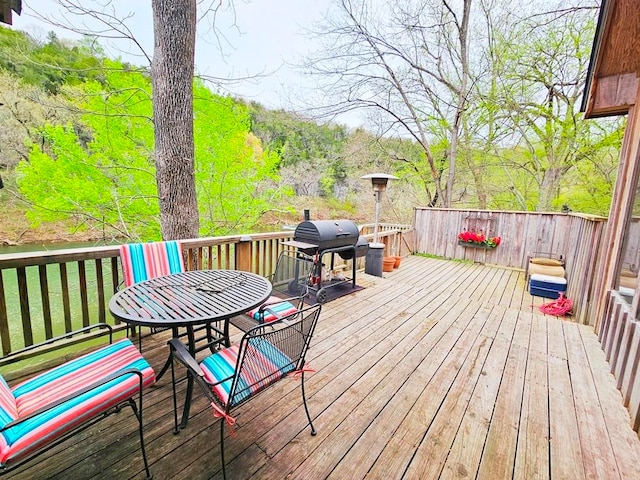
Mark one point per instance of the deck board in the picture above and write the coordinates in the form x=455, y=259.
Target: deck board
x=532, y=460
x=439, y=369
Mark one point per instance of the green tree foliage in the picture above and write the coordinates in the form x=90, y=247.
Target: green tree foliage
x=100, y=169
x=526, y=115
x=296, y=139
x=236, y=179
x=302, y=145
x=49, y=64
x=23, y=110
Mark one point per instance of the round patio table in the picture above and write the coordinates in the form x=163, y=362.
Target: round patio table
x=191, y=299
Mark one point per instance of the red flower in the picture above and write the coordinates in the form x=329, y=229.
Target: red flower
x=479, y=238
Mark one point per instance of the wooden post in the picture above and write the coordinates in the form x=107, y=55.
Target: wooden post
x=244, y=254
x=620, y=211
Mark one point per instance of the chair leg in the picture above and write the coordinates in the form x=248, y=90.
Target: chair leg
x=176, y=429
x=224, y=471
x=138, y=413
x=306, y=409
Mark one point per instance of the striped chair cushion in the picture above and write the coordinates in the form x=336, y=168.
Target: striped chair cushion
x=278, y=310
x=8, y=408
x=142, y=261
x=68, y=379
x=8, y=411
x=264, y=363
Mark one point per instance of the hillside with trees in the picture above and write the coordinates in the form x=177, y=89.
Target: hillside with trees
x=497, y=126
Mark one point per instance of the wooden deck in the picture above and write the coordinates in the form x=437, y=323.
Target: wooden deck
x=440, y=369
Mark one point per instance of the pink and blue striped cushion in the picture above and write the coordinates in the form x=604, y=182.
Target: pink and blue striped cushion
x=8, y=410
x=8, y=407
x=278, y=310
x=68, y=379
x=264, y=363
x=143, y=261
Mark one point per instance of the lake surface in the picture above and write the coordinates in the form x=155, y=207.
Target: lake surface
x=37, y=247
x=12, y=292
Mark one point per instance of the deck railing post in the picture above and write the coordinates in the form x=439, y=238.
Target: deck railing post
x=244, y=257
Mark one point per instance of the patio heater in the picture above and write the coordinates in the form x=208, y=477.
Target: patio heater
x=373, y=262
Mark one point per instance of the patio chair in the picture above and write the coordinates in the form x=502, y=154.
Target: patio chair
x=290, y=287
x=144, y=261
x=235, y=375
x=43, y=411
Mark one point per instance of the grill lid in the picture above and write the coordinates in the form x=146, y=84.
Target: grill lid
x=327, y=233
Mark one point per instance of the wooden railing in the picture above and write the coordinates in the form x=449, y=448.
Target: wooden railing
x=620, y=338
x=48, y=293
x=577, y=237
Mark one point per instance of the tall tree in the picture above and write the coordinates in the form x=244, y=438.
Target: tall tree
x=536, y=64
x=172, y=70
x=174, y=27
x=406, y=62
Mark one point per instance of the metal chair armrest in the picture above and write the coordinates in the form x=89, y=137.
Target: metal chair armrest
x=66, y=336
x=180, y=353
x=299, y=298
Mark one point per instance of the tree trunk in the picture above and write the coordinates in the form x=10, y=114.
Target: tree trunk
x=549, y=188
x=461, y=101
x=174, y=25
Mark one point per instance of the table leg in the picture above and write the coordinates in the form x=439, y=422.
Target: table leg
x=166, y=365
x=187, y=400
x=227, y=340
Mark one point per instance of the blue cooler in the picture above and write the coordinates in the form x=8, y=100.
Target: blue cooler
x=547, y=286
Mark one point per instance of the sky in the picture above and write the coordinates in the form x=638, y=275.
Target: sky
x=267, y=38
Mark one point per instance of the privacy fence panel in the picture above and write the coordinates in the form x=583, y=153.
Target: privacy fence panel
x=578, y=238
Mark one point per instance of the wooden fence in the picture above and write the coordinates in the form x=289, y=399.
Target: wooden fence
x=578, y=238
x=48, y=293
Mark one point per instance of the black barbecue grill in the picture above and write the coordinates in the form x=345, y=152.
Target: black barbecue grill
x=317, y=238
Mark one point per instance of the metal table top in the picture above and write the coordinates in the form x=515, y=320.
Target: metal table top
x=190, y=298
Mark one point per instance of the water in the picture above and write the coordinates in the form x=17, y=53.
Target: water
x=12, y=295
x=37, y=247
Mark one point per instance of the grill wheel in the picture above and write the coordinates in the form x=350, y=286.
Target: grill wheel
x=321, y=295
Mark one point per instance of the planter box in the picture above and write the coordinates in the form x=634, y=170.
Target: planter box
x=474, y=245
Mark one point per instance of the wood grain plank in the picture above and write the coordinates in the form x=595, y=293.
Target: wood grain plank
x=25, y=311
x=399, y=449
x=624, y=441
x=392, y=398
x=532, y=458
x=498, y=457
x=629, y=382
x=445, y=332
x=431, y=455
x=597, y=455
x=565, y=451
x=66, y=302
x=466, y=451
x=5, y=337
x=46, y=303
